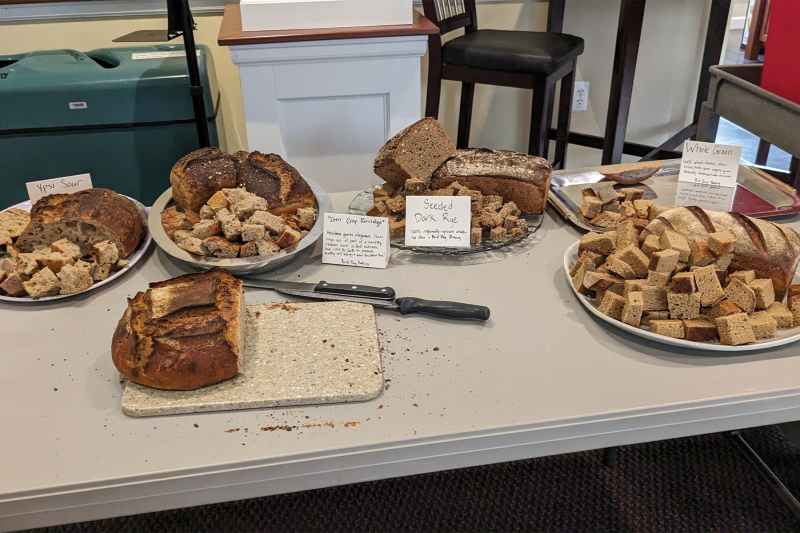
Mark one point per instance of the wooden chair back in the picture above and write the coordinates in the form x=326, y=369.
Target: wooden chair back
x=451, y=15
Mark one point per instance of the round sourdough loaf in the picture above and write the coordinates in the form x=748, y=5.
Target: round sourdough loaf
x=84, y=218
x=197, y=176
x=183, y=333
x=519, y=178
x=769, y=249
x=275, y=180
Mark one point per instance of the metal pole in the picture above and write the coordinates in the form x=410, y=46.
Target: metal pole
x=186, y=27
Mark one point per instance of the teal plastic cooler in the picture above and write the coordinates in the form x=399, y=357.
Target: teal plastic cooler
x=123, y=115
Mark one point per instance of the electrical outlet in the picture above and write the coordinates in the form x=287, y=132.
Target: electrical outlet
x=580, y=96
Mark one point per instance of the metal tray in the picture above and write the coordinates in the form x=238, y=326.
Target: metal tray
x=757, y=193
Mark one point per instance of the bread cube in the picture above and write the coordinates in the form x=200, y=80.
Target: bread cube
x=699, y=254
x=722, y=242
x=249, y=249
x=510, y=222
x=723, y=308
x=672, y=240
x=620, y=268
x=699, y=330
x=13, y=285
x=206, y=212
x=683, y=283
x=378, y=209
x=708, y=285
x=745, y=276
x=306, y=216
x=244, y=208
x=735, y=329
x=53, y=260
x=498, y=234
x=764, y=291
x=252, y=232
x=627, y=234
x=291, y=236
x=657, y=279
x=273, y=224
x=206, y=228
x=664, y=261
x=191, y=244
x=793, y=304
x=517, y=232
x=632, y=311
x=7, y=265
x=380, y=193
x=596, y=258
x=655, y=211
x=654, y=315
x=235, y=195
x=626, y=210
x=584, y=265
x=764, y=325
x=105, y=253
x=742, y=295
x=220, y=247
x=27, y=264
x=667, y=328
x=490, y=219
x=606, y=219
x=600, y=243
x=632, y=193
x=651, y=245
x=510, y=209
x=74, y=279
x=493, y=203
x=396, y=205
x=633, y=285
x=612, y=206
x=635, y=259
x=101, y=272
x=591, y=207
x=190, y=218
x=476, y=234
x=612, y=305
x=683, y=306
x=654, y=298
x=266, y=246
x=604, y=190
x=397, y=228
x=781, y=314
x=67, y=248
x=642, y=207
x=723, y=262
x=43, y=283
x=171, y=220
x=416, y=187
x=231, y=227
x=217, y=201
x=599, y=281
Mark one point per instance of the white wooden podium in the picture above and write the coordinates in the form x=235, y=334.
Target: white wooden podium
x=327, y=99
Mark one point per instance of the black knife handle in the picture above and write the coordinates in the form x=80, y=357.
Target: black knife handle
x=363, y=291
x=442, y=308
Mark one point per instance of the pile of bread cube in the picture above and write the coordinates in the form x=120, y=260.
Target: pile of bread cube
x=605, y=207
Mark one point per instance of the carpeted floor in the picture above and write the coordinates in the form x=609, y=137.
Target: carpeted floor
x=693, y=484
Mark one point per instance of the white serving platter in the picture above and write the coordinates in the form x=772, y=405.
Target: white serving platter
x=134, y=258
x=782, y=336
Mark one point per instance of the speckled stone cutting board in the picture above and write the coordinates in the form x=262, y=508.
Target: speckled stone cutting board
x=295, y=354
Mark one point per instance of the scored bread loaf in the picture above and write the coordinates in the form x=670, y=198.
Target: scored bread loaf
x=414, y=153
x=771, y=250
x=84, y=218
x=519, y=178
x=198, y=175
x=183, y=333
x=273, y=179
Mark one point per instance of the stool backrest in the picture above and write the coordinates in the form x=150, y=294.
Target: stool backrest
x=451, y=15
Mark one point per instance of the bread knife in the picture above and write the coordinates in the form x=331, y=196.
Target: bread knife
x=406, y=306
x=363, y=291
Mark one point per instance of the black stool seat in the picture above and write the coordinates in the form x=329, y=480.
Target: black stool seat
x=523, y=52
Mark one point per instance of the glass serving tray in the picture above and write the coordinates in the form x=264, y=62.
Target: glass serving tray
x=363, y=201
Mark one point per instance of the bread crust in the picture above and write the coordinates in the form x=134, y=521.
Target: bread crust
x=769, y=249
x=104, y=209
x=192, y=347
x=275, y=180
x=198, y=175
x=521, y=178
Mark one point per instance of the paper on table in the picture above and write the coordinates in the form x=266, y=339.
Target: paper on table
x=438, y=221
x=354, y=240
x=708, y=175
x=65, y=185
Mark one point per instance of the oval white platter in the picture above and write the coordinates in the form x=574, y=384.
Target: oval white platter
x=782, y=336
x=133, y=258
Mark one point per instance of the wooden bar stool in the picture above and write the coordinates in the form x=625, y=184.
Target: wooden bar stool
x=521, y=59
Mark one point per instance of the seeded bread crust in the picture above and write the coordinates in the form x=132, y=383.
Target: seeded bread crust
x=769, y=249
x=198, y=175
x=194, y=344
x=85, y=218
x=519, y=178
x=275, y=180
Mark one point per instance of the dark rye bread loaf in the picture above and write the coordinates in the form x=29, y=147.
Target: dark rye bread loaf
x=275, y=180
x=197, y=176
x=769, y=249
x=84, y=218
x=519, y=178
x=183, y=333
x=414, y=153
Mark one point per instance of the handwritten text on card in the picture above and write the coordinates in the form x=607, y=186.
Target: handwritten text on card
x=441, y=221
x=708, y=175
x=356, y=241
x=66, y=185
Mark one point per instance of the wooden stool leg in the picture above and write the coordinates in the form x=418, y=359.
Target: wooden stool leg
x=564, y=118
x=434, y=94
x=537, y=143
x=465, y=114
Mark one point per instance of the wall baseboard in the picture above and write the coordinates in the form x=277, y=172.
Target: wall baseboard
x=122, y=8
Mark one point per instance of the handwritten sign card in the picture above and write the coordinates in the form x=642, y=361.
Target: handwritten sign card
x=66, y=185
x=354, y=240
x=441, y=221
x=708, y=175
